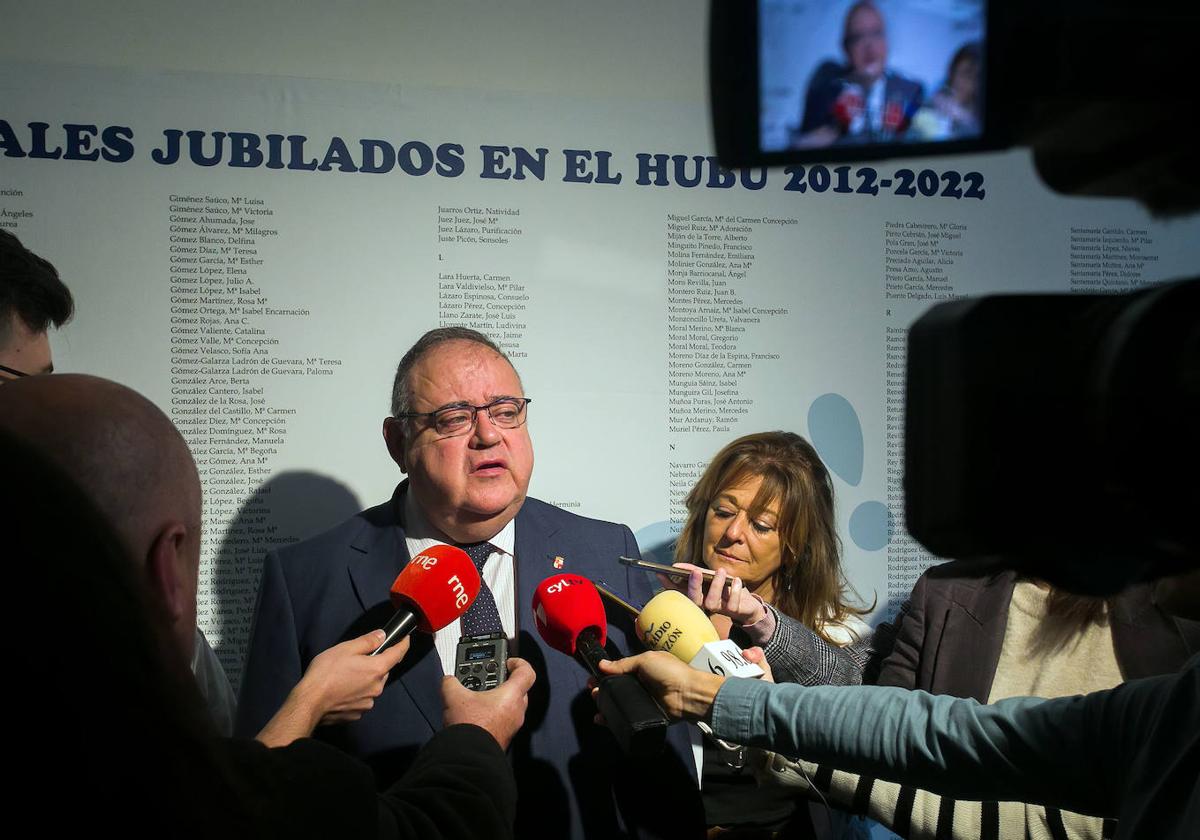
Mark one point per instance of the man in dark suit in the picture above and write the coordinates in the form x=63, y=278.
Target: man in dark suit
x=458, y=431
x=861, y=100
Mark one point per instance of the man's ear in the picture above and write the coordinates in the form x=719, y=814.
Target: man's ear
x=166, y=572
x=393, y=435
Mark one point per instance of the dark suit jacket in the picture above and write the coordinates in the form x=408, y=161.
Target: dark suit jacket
x=949, y=641
x=826, y=85
x=571, y=778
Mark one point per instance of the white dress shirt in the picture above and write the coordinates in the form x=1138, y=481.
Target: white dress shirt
x=498, y=574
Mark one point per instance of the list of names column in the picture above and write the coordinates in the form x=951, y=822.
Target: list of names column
x=921, y=265
x=481, y=278
x=226, y=355
x=717, y=332
x=1109, y=259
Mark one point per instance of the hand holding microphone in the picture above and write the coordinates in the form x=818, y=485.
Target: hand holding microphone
x=684, y=692
x=434, y=589
x=571, y=619
x=680, y=632
x=343, y=681
x=339, y=685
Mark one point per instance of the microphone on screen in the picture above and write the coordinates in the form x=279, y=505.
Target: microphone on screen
x=571, y=619
x=671, y=622
x=434, y=589
x=848, y=106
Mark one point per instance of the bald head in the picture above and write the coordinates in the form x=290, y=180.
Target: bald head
x=129, y=458
x=124, y=452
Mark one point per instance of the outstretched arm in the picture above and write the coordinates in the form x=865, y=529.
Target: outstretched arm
x=340, y=684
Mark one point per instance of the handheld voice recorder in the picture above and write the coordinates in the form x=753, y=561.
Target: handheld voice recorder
x=480, y=663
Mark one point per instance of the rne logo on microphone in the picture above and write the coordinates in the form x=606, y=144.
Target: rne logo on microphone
x=460, y=591
x=425, y=561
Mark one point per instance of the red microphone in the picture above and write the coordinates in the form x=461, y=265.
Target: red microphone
x=434, y=589
x=848, y=105
x=564, y=607
x=570, y=618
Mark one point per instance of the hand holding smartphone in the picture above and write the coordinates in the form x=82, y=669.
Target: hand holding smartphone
x=733, y=600
x=669, y=571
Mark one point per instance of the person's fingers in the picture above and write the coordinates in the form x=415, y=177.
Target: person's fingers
x=451, y=687
x=695, y=587
x=391, y=657
x=733, y=597
x=758, y=656
x=520, y=673
x=712, y=599
x=366, y=643
x=626, y=665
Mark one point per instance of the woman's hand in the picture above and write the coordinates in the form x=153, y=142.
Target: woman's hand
x=758, y=657
x=734, y=600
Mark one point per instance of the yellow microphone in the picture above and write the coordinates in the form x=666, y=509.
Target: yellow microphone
x=671, y=622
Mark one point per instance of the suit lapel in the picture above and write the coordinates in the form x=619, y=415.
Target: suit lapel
x=1147, y=642
x=378, y=553
x=975, y=635
x=533, y=561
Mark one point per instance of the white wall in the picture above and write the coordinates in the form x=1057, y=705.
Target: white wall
x=621, y=48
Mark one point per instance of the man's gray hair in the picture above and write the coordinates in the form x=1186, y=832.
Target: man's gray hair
x=402, y=398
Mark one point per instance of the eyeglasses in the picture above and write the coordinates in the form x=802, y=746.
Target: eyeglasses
x=17, y=374
x=505, y=413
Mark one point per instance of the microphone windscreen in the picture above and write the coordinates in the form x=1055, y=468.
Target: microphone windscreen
x=671, y=622
x=438, y=584
x=848, y=104
x=563, y=607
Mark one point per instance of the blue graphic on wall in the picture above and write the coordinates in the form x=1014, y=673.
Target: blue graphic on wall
x=836, y=433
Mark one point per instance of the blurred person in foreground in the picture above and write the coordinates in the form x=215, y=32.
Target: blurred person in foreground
x=102, y=458
x=1131, y=753
x=32, y=298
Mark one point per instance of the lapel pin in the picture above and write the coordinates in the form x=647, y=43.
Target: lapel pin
x=558, y=562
